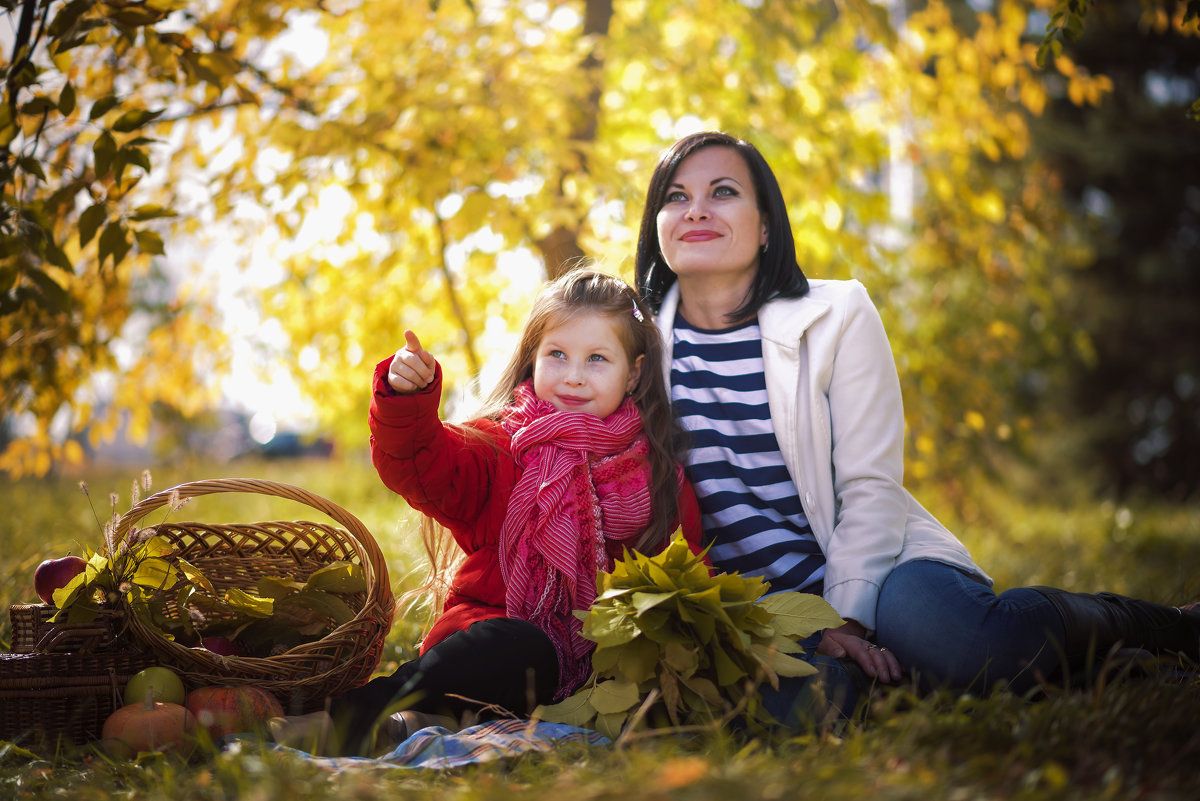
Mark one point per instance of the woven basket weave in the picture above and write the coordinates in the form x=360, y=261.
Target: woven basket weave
x=47, y=696
x=237, y=555
x=33, y=633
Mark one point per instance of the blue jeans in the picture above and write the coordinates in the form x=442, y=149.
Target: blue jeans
x=951, y=630
x=807, y=702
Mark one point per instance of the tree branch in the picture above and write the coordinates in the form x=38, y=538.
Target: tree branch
x=469, y=340
x=24, y=31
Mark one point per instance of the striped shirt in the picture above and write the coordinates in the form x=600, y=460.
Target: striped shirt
x=750, y=506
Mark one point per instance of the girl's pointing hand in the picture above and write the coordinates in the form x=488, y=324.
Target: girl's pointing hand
x=412, y=367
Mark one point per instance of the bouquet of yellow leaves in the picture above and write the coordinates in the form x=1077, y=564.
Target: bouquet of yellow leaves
x=677, y=645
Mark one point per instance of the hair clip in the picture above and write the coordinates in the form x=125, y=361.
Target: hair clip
x=637, y=313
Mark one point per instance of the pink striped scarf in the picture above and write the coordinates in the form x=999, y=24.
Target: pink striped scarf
x=584, y=481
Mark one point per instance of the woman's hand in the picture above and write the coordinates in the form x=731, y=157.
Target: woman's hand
x=849, y=640
x=412, y=367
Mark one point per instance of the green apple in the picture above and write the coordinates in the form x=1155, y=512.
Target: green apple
x=161, y=683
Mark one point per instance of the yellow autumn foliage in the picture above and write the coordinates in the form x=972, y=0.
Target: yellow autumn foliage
x=437, y=159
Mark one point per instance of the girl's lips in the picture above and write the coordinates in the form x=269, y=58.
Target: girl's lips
x=699, y=236
x=572, y=400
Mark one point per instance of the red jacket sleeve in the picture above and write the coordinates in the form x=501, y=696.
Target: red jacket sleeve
x=445, y=471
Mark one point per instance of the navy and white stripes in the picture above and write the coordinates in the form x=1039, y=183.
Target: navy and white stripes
x=751, y=508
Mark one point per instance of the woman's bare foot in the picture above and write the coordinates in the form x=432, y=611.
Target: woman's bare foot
x=399, y=726
x=311, y=733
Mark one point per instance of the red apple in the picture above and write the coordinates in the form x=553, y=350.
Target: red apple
x=222, y=645
x=55, y=573
x=229, y=710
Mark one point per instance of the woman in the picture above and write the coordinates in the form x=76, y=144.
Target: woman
x=790, y=394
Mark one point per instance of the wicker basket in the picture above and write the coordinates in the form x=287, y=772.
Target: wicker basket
x=47, y=696
x=33, y=633
x=236, y=556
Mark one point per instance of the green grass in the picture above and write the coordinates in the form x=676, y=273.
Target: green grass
x=1133, y=739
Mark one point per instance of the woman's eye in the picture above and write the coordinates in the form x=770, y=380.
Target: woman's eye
x=725, y=191
x=675, y=197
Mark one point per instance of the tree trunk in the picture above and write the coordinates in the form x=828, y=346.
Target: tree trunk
x=560, y=249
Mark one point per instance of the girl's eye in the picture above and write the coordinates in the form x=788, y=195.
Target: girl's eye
x=555, y=354
x=675, y=197
x=596, y=357
x=724, y=190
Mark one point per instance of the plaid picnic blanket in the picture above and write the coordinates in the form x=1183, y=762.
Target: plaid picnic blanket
x=437, y=747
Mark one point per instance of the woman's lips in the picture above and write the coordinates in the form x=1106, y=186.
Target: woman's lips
x=699, y=236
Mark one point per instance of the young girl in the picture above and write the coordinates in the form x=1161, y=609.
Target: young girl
x=571, y=462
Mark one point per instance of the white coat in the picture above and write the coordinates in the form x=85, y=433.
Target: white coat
x=838, y=415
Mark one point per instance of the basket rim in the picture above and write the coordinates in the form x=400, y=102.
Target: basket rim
x=375, y=564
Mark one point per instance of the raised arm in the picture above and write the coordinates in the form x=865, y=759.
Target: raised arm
x=442, y=470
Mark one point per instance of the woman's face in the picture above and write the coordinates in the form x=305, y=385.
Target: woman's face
x=709, y=223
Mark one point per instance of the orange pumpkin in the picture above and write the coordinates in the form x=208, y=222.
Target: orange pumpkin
x=229, y=710
x=151, y=726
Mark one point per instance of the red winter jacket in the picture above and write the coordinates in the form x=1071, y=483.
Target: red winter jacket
x=463, y=480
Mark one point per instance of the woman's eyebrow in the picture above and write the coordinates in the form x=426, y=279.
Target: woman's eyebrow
x=713, y=182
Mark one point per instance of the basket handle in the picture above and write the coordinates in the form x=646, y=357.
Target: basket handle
x=379, y=589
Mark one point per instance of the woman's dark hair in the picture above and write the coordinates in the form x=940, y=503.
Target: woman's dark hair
x=779, y=275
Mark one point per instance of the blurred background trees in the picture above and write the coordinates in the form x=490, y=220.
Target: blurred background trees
x=303, y=180
x=1130, y=170
x=96, y=331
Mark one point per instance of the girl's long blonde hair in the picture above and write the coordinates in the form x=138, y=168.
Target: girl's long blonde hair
x=582, y=290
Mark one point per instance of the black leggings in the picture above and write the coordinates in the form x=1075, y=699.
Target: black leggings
x=507, y=663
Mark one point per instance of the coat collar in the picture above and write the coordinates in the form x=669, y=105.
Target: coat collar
x=782, y=321
x=785, y=320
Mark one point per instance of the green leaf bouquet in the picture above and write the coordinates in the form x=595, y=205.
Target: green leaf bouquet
x=677, y=645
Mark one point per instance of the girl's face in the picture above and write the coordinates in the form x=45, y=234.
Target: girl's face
x=580, y=366
x=709, y=223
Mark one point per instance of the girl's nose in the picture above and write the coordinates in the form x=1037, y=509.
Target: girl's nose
x=574, y=375
x=697, y=209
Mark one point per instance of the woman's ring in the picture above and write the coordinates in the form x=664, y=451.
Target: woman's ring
x=872, y=646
